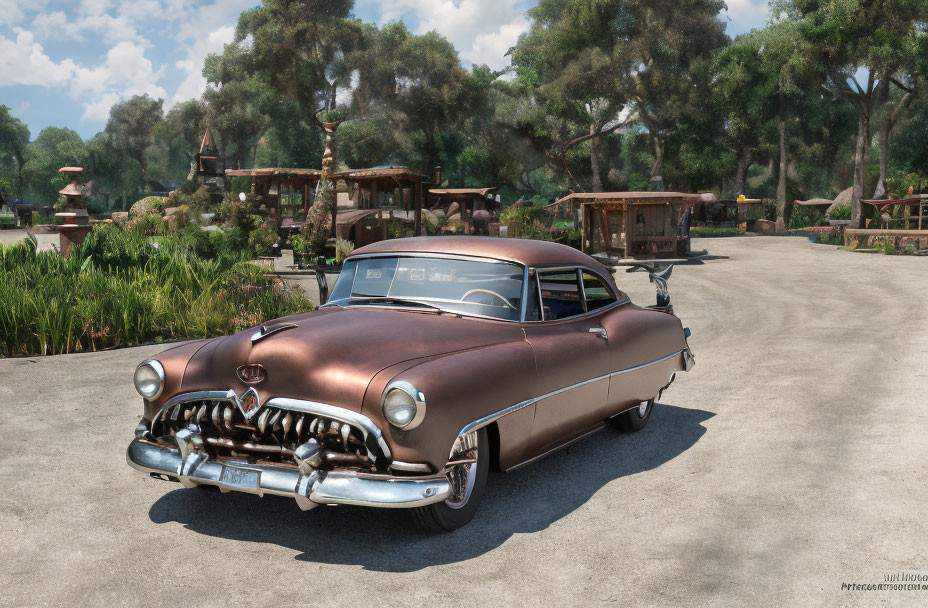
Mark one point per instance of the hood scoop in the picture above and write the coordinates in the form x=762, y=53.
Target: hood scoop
x=269, y=329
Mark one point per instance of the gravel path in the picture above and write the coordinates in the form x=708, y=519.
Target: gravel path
x=790, y=460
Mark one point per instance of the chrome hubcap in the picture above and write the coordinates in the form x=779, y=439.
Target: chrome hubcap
x=462, y=470
x=643, y=408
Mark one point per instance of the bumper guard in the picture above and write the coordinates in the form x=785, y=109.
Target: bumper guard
x=310, y=487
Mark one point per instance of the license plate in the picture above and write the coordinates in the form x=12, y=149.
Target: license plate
x=235, y=477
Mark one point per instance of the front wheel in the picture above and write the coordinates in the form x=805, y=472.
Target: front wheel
x=468, y=471
x=635, y=419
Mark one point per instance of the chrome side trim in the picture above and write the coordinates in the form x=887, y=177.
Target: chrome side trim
x=365, y=424
x=490, y=418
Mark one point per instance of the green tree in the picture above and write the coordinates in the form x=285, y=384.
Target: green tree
x=289, y=59
x=882, y=40
x=132, y=125
x=668, y=42
x=177, y=140
x=568, y=70
x=14, y=137
x=53, y=149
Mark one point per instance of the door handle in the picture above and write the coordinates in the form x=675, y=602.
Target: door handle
x=600, y=331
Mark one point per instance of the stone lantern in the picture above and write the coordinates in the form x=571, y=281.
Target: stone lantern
x=76, y=220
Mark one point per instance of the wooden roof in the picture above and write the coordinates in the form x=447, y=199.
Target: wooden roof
x=381, y=173
x=274, y=172
x=463, y=191
x=632, y=197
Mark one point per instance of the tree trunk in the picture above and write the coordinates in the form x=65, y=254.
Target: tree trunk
x=886, y=130
x=880, y=190
x=594, y=160
x=657, y=169
x=860, y=163
x=783, y=212
x=741, y=175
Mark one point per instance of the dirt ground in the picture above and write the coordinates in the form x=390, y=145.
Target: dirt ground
x=789, y=461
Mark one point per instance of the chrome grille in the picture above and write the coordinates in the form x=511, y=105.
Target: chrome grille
x=273, y=433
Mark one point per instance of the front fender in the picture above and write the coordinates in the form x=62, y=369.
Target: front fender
x=459, y=388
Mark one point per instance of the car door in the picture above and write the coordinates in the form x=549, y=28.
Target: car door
x=572, y=356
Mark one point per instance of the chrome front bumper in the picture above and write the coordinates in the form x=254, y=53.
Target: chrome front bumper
x=193, y=467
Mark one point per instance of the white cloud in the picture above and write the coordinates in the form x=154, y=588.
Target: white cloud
x=198, y=41
x=10, y=12
x=746, y=15
x=125, y=72
x=23, y=61
x=481, y=30
x=54, y=24
x=194, y=84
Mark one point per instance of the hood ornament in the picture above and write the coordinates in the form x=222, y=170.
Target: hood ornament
x=269, y=329
x=252, y=373
x=249, y=403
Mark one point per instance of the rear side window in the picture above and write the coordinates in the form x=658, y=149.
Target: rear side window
x=596, y=291
x=560, y=294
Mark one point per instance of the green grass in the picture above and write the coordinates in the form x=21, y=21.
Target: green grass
x=121, y=288
x=704, y=232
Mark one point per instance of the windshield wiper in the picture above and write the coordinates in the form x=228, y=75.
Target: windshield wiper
x=392, y=300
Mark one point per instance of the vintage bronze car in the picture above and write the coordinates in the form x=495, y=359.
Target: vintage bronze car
x=434, y=360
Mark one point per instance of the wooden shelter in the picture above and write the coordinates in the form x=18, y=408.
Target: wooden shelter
x=634, y=224
x=469, y=201
x=288, y=191
x=394, y=191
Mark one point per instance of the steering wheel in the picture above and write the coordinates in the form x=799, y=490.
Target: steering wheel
x=505, y=302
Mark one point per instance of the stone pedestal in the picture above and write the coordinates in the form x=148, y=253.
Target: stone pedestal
x=75, y=229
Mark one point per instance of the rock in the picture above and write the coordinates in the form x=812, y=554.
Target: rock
x=146, y=206
x=169, y=211
x=453, y=209
x=454, y=217
x=120, y=217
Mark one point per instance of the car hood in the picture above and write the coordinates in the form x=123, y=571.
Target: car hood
x=333, y=353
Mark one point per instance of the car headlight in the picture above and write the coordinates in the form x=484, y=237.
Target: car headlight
x=403, y=405
x=149, y=379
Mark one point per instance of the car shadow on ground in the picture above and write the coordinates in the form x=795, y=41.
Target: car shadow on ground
x=527, y=500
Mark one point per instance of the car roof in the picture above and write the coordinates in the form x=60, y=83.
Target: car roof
x=522, y=251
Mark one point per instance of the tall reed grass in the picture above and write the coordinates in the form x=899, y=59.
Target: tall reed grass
x=120, y=288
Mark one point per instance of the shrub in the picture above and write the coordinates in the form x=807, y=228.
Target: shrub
x=247, y=214
x=841, y=212
x=149, y=224
x=119, y=288
x=261, y=241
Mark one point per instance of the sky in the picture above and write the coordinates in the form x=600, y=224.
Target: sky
x=64, y=63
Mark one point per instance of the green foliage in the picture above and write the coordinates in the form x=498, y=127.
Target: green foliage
x=121, y=289
x=841, y=212
x=708, y=232
x=246, y=215
x=132, y=123
x=261, y=241
x=898, y=185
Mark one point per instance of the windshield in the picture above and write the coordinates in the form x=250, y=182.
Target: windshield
x=470, y=287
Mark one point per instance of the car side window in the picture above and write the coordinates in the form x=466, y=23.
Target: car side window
x=596, y=291
x=532, y=309
x=560, y=294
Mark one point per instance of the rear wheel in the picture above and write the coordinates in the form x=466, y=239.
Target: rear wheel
x=468, y=481
x=635, y=419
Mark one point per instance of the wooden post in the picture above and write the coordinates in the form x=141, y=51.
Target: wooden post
x=417, y=196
